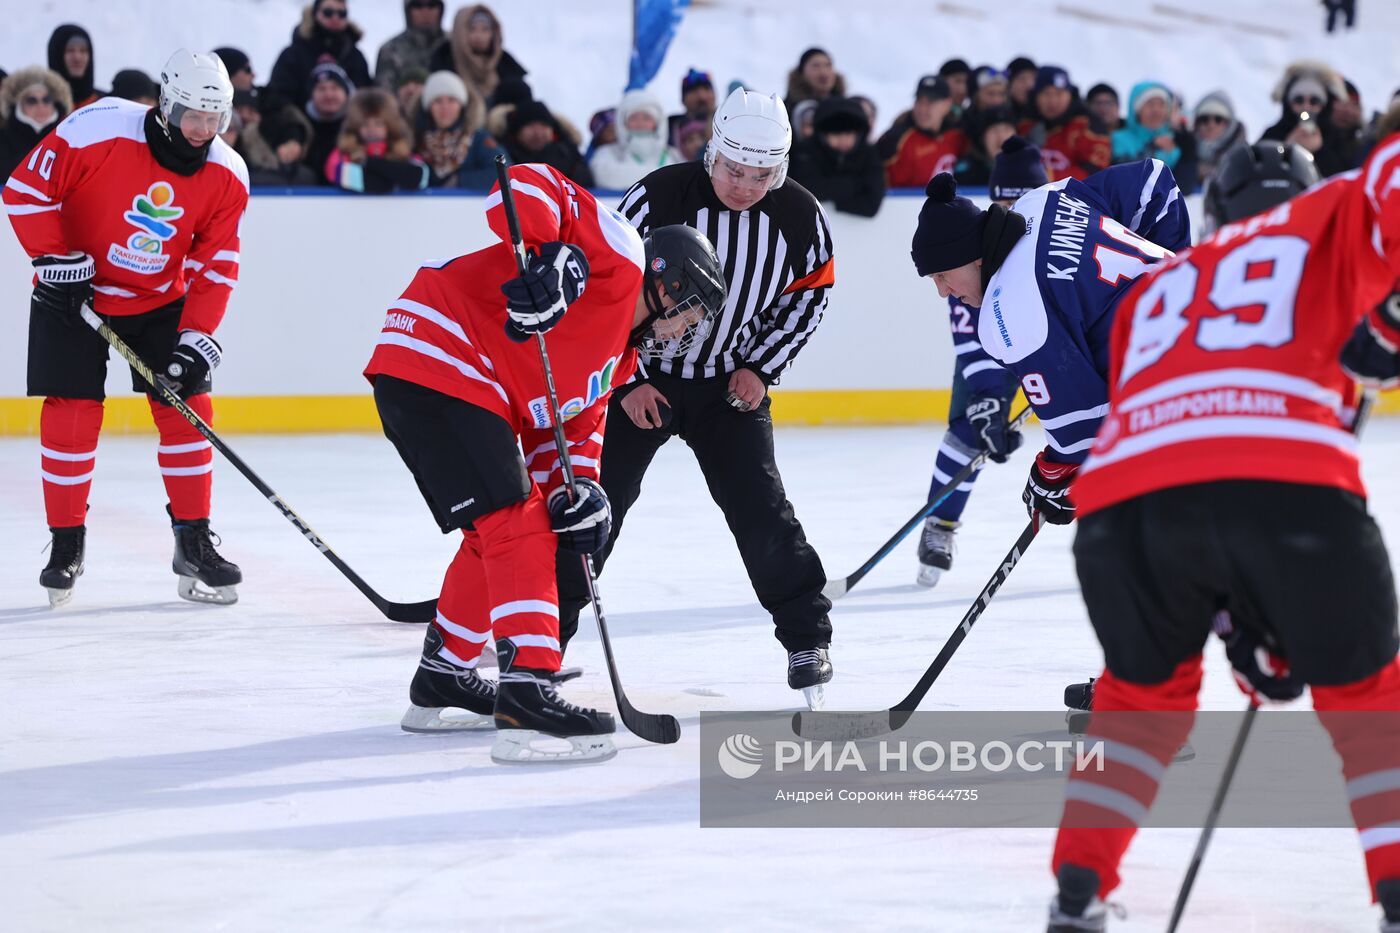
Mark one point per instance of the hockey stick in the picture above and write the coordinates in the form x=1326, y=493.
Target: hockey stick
x=397, y=612
x=661, y=728
x=853, y=726
x=835, y=589
x=1212, y=817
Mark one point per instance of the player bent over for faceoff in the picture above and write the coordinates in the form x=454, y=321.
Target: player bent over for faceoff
x=461, y=391
x=1224, y=478
x=133, y=211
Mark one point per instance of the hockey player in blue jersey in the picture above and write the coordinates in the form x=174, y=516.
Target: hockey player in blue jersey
x=1045, y=277
x=982, y=387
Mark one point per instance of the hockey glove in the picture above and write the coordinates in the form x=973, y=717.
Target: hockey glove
x=987, y=415
x=1372, y=355
x=64, y=284
x=187, y=370
x=554, y=279
x=1047, y=490
x=1260, y=672
x=583, y=526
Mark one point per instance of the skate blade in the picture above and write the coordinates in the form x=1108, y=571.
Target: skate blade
x=815, y=696
x=58, y=598
x=429, y=719
x=191, y=589
x=517, y=747
x=929, y=576
x=1184, y=753
x=487, y=657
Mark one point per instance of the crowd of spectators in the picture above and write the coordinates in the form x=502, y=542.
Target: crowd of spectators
x=443, y=101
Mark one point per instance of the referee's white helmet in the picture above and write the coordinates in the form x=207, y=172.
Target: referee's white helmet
x=751, y=129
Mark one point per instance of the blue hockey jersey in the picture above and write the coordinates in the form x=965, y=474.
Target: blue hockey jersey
x=1048, y=311
x=981, y=373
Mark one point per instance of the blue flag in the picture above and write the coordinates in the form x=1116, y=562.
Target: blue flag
x=654, y=25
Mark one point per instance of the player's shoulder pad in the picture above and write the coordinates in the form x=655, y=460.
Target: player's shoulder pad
x=102, y=121
x=221, y=153
x=1012, y=322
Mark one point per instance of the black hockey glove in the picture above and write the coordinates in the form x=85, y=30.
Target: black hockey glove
x=1372, y=355
x=987, y=415
x=1047, y=490
x=64, y=284
x=187, y=370
x=582, y=526
x=1260, y=671
x=553, y=280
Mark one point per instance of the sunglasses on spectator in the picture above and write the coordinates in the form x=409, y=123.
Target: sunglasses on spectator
x=333, y=12
x=29, y=100
x=1306, y=99
x=1211, y=118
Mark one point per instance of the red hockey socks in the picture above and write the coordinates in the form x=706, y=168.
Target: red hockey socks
x=186, y=459
x=68, y=431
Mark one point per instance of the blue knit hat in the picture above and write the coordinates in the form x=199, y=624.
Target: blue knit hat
x=1051, y=76
x=949, y=233
x=1017, y=169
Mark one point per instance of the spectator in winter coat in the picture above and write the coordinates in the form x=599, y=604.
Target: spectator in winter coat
x=412, y=48
x=958, y=74
x=1311, y=88
x=409, y=91
x=1148, y=134
x=989, y=88
x=135, y=86
x=871, y=111
x=1102, y=101
x=1349, y=121
x=987, y=131
x=1217, y=131
x=1020, y=76
x=533, y=134
x=838, y=164
x=803, y=117
x=325, y=34
x=240, y=68
x=1071, y=141
x=694, y=137
x=374, y=154
x=922, y=142
x=476, y=51
x=32, y=102
x=602, y=131
x=697, y=102
x=641, y=146
x=70, y=57
x=451, y=135
x=814, y=78
x=276, y=152
x=329, y=89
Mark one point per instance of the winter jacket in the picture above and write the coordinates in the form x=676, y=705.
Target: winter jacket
x=912, y=156
x=1210, y=153
x=291, y=75
x=635, y=155
x=1332, y=157
x=1073, y=145
x=412, y=48
x=853, y=181
x=483, y=74
x=561, y=154
x=1135, y=142
x=376, y=172
x=81, y=88
x=458, y=158
x=17, y=136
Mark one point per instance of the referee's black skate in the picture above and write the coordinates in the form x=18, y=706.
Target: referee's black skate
x=809, y=670
x=1077, y=908
x=529, y=711
x=65, y=564
x=444, y=697
x=205, y=577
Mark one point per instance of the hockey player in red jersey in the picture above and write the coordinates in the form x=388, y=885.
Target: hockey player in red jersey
x=134, y=211
x=1224, y=480
x=460, y=388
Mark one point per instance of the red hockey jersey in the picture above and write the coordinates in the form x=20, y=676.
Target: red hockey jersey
x=447, y=332
x=92, y=185
x=1224, y=360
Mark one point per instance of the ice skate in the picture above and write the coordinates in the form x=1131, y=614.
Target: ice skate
x=935, y=550
x=529, y=714
x=65, y=564
x=1388, y=896
x=205, y=577
x=444, y=697
x=810, y=671
x=1077, y=907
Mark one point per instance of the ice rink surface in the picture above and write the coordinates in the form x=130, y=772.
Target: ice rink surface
x=167, y=766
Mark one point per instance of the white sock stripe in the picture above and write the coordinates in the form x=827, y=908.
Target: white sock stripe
x=956, y=456
x=65, y=480
x=67, y=457
x=1377, y=836
x=1108, y=799
x=1377, y=782
x=1135, y=758
x=534, y=641
x=456, y=661
x=461, y=631
x=188, y=471
x=183, y=448
x=521, y=606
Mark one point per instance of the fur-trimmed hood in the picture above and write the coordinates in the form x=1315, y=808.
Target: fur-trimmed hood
x=1330, y=78
x=306, y=29
x=35, y=74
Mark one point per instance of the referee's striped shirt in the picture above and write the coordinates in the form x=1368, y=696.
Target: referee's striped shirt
x=777, y=260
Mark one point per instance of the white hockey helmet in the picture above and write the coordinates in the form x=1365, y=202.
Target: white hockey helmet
x=751, y=129
x=195, y=81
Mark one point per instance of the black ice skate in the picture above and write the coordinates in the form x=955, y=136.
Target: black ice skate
x=196, y=562
x=1077, y=907
x=444, y=697
x=809, y=670
x=65, y=564
x=1388, y=894
x=935, y=550
x=528, y=709
x=1079, y=698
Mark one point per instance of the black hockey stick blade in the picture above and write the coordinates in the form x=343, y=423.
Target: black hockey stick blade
x=822, y=726
x=837, y=588
x=396, y=612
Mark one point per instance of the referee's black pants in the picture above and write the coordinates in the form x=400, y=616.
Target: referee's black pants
x=735, y=452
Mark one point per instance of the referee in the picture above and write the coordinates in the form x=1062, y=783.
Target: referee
x=775, y=247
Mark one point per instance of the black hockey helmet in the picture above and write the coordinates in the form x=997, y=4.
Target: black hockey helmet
x=1253, y=179
x=681, y=264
